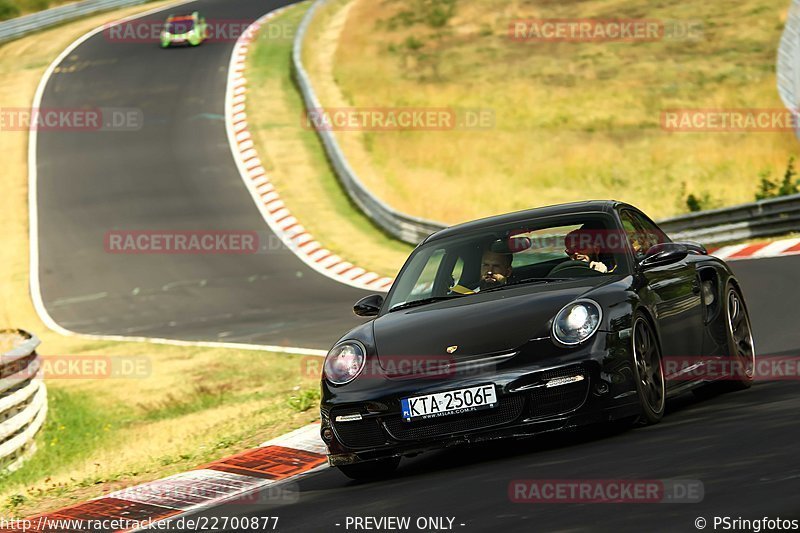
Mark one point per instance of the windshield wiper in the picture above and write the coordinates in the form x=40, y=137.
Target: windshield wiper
x=423, y=301
x=525, y=281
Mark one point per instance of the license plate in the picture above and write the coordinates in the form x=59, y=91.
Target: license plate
x=448, y=403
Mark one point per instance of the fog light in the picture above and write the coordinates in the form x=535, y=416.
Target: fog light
x=327, y=434
x=601, y=388
x=555, y=382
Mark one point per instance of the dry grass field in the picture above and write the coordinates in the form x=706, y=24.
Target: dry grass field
x=572, y=120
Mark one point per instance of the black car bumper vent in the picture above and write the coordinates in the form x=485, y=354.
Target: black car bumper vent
x=358, y=433
x=552, y=401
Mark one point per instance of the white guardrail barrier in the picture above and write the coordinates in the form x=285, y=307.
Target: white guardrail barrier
x=404, y=227
x=788, y=64
x=23, y=397
x=758, y=219
x=17, y=27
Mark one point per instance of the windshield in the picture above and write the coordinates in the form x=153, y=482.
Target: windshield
x=532, y=252
x=179, y=26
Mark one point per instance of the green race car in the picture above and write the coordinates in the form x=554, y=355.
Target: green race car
x=184, y=29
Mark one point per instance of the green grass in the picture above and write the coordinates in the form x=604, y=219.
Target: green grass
x=196, y=406
x=75, y=426
x=296, y=162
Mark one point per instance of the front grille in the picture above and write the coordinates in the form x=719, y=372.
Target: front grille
x=559, y=399
x=508, y=410
x=358, y=433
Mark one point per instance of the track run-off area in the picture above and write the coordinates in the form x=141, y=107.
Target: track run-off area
x=177, y=173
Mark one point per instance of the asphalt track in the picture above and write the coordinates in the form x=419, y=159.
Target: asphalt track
x=175, y=174
x=742, y=446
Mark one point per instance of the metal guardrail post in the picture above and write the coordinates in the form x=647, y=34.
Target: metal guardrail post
x=405, y=227
x=20, y=26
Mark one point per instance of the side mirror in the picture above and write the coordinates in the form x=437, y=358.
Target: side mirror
x=369, y=305
x=695, y=247
x=664, y=254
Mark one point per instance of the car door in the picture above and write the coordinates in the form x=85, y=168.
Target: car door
x=673, y=291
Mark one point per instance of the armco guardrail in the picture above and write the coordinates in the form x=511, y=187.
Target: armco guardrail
x=23, y=398
x=766, y=218
x=17, y=27
x=404, y=227
x=788, y=64
x=759, y=219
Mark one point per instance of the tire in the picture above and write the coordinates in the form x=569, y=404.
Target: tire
x=648, y=371
x=740, y=342
x=370, y=470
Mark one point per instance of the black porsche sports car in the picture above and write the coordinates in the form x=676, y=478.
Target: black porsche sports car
x=530, y=322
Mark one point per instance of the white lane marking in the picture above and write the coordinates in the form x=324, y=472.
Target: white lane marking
x=776, y=248
x=191, y=490
x=237, y=132
x=33, y=226
x=306, y=438
x=727, y=251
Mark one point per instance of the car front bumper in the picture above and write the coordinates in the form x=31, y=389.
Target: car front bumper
x=526, y=406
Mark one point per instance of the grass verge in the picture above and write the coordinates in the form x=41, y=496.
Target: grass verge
x=14, y=8
x=571, y=120
x=188, y=407
x=295, y=160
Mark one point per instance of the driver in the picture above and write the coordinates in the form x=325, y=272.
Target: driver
x=495, y=271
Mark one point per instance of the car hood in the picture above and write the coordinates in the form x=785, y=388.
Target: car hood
x=478, y=324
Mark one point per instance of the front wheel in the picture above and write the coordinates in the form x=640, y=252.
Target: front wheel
x=648, y=371
x=370, y=470
x=740, y=341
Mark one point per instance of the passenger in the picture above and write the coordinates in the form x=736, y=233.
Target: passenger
x=579, y=246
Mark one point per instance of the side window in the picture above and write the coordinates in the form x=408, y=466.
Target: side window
x=641, y=233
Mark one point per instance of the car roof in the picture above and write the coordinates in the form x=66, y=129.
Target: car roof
x=173, y=18
x=588, y=206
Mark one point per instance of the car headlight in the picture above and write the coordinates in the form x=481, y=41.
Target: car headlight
x=576, y=322
x=344, y=362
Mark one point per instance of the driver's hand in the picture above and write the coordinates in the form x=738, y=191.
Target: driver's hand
x=491, y=280
x=598, y=266
x=491, y=277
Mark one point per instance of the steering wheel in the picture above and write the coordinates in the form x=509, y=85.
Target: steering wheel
x=572, y=267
